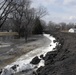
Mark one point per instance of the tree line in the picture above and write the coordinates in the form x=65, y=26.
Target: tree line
x=19, y=16
x=57, y=27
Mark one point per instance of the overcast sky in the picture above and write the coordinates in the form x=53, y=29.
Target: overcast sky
x=59, y=10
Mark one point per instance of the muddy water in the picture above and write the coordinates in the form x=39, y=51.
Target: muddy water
x=24, y=61
x=5, y=53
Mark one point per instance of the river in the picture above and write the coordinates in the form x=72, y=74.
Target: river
x=23, y=63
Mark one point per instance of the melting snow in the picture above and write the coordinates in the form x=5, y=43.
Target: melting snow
x=24, y=61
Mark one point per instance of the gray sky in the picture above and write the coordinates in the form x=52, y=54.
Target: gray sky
x=59, y=10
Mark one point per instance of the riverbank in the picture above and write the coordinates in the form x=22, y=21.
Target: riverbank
x=19, y=48
x=25, y=65
x=63, y=60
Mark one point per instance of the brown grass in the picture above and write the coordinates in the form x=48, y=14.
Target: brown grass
x=8, y=33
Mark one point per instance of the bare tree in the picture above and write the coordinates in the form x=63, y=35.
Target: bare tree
x=17, y=16
x=41, y=12
x=5, y=10
x=18, y=13
x=22, y=17
x=29, y=18
x=63, y=26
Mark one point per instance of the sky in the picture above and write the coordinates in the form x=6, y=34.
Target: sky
x=58, y=10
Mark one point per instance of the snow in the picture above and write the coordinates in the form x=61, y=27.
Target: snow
x=7, y=72
x=24, y=61
x=41, y=63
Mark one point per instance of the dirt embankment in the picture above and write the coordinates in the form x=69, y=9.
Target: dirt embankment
x=63, y=60
x=21, y=48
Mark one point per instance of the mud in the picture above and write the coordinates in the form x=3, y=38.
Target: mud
x=62, y=61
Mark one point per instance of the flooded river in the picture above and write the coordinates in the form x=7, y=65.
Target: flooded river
x=23, y=63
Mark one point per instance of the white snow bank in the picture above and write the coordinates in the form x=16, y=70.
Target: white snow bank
x=24, y=61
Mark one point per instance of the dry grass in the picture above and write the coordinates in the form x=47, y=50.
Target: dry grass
x=8, y=33
x=65, y=31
